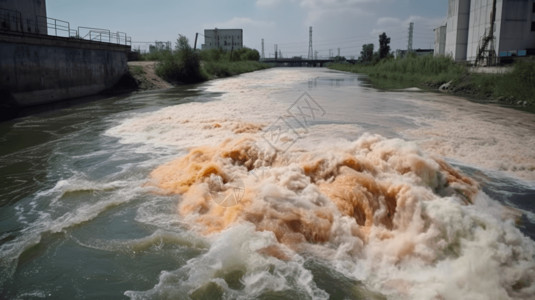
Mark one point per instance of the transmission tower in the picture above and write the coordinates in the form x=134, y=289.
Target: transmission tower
x=276, y=51
x=411, y=30
x=310, y=52
x=263, y=49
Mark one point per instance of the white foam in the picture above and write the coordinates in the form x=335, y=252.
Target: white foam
x=55, y=216
x=236, y=250
x=440, y=248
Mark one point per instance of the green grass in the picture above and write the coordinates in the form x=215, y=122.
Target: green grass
x=184, y=65
x=421, y=71
x=430, y=72
x=136, y=70
x=516, y=87
x=218, y=69
x=181, y=67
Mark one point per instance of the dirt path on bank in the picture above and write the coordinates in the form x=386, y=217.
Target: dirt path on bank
x=145, y=72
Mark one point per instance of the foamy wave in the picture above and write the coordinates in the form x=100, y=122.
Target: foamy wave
x=496, y=140
x=380, y=210
x=235, y=265
x=57, y=217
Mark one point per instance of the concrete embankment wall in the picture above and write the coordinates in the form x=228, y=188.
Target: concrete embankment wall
x=37, y=69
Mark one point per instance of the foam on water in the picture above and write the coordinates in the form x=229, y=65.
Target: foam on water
x=386, y=212
x=378, y=210
x=245, y=200
x=48, y=214
x=496, y=139
x=235, y=268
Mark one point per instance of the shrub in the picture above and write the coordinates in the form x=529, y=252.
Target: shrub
x=183, y=65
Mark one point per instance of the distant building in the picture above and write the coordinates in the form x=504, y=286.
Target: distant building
x=486, y=29
x=224, y=39
x=418, y=52
x=440, y=41
x=23, y=16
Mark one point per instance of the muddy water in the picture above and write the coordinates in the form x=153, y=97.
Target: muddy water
x=290, y=183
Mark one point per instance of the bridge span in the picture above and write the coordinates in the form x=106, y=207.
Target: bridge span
x=300, y=62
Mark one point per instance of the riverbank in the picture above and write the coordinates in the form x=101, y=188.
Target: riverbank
x=146, y=77
x=144, y=72
x=515, y=87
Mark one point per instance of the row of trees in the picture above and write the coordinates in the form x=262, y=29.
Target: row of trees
x=367, y=56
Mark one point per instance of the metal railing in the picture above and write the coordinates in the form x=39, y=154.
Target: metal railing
x=103, y=35
x=11, y=21
x=55, y=27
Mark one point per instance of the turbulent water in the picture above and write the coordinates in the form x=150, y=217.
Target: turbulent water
x=290, y=183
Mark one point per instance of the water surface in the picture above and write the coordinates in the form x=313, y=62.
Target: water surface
x=291, y=183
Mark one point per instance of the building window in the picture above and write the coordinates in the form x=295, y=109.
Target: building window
x=532, y=26
x=533, y=9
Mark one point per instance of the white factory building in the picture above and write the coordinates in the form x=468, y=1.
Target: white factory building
x=224, y=39
x=486, y=29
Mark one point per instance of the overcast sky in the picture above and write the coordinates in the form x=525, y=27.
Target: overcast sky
x=344, y=24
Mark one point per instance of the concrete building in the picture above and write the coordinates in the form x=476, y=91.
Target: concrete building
x=440, y=41
x=224, y=39
x=513, y=29
x=24, y=16
x=479, y=30
x=457, y=29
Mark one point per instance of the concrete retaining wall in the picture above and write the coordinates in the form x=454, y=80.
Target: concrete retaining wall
x=38, y=69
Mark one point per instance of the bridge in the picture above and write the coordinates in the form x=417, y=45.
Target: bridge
x=300, y=62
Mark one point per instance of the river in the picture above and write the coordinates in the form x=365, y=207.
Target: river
x=287, y=183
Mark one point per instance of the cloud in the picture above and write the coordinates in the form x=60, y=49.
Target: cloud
x=387, y=21
x=320, y=9
x=268, y=3
x=241, y=22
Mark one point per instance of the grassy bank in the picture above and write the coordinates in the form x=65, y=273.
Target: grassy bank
x=185, y=65
x=427, y=72
x=218, y=64
x=219, y=69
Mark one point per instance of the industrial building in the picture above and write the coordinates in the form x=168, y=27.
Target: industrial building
x=485, y=31
x=23, y=16
x=223, y=39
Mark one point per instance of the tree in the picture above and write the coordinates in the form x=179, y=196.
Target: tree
x=181, y=66
x=384, y=46
x=366, y=55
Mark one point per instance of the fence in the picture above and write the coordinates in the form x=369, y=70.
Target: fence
x=11, y=21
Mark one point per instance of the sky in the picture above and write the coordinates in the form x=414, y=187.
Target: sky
x=344, y=24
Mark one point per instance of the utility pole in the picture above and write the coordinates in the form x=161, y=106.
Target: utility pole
x=411, y=30
x=263, y=49
x=195, y=44
x=276, y=51
x=216, y=34
x=310, y=52
x=338, y=52
x=231, y=48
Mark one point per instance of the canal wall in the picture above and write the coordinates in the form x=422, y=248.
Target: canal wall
x=40, y=69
